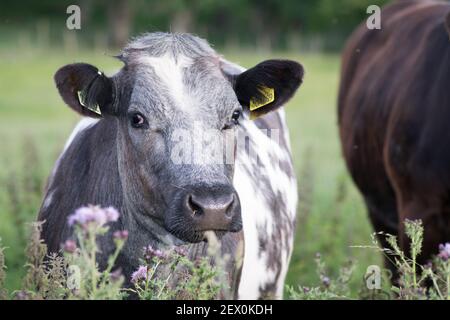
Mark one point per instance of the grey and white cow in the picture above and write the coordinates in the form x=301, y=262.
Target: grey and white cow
x=123, y=157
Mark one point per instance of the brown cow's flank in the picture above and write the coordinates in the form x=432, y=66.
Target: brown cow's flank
x=394, y=108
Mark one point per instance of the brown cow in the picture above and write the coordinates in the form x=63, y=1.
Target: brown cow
x=394, y=119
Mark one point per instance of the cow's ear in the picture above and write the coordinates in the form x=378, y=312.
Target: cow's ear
x=268, y=85
x=85, y=89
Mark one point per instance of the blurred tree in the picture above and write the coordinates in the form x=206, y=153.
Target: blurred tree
x=119, y=20
x=263, y=23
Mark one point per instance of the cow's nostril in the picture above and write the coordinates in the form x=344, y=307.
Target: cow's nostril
x=194, y=207
x=229, y=206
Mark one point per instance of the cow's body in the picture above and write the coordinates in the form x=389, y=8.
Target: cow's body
x=394, y=107
x=269, y=200
x=87, y=172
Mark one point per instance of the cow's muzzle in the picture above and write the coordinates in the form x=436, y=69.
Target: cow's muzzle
x=213, y=209
x=205, y=208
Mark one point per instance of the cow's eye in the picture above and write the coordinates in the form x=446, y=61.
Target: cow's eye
x=137, y=120
x=233, y=121
x=236, y=115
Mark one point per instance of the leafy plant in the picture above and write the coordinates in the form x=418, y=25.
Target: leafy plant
x=3, y=293
x=329, y=288
x=172, y=275
x=74, y=273
x=36, y=279
x=414, y=278
x=85, y=279
x=416, y=282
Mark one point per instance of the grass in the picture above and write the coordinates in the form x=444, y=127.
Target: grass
x=34, y=124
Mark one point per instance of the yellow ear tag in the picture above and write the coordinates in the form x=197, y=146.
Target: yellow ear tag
x=82, y=99
x=268, y=97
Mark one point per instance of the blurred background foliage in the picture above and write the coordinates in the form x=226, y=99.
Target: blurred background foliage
x=269, y=24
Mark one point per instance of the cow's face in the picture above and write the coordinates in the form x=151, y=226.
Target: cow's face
x=172, y=90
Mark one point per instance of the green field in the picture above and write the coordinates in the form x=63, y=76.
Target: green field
x=34, y=124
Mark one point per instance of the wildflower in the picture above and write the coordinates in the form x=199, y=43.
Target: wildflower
x=93, y=214
x=325, y=281
x=444, y=251
x=70, y=246
x=181, y=251
x=111, y=214
x=22, y=295
x=139, y=274
x=306, y=290
x=116, y=275
x=150, y=252
x=121, y=235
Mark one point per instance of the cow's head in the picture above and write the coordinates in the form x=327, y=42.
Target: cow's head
x=174, y=83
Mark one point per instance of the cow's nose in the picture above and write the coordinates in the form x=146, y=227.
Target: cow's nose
x=212, y=211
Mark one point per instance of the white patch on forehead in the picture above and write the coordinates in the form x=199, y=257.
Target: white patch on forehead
x=170, y=72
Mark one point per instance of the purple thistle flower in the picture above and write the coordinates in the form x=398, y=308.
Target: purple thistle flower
x=93, y=214
x=326, y=281
x=444, y=251
x=139, y=274
x=121, y=235
x=111, y=214
x=70, y=246
x=150, y=252
x=181, y=251
x=22, y=295
x=81, y=216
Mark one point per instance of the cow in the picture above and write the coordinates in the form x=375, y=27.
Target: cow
x=122, y=155
x=393, y=111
